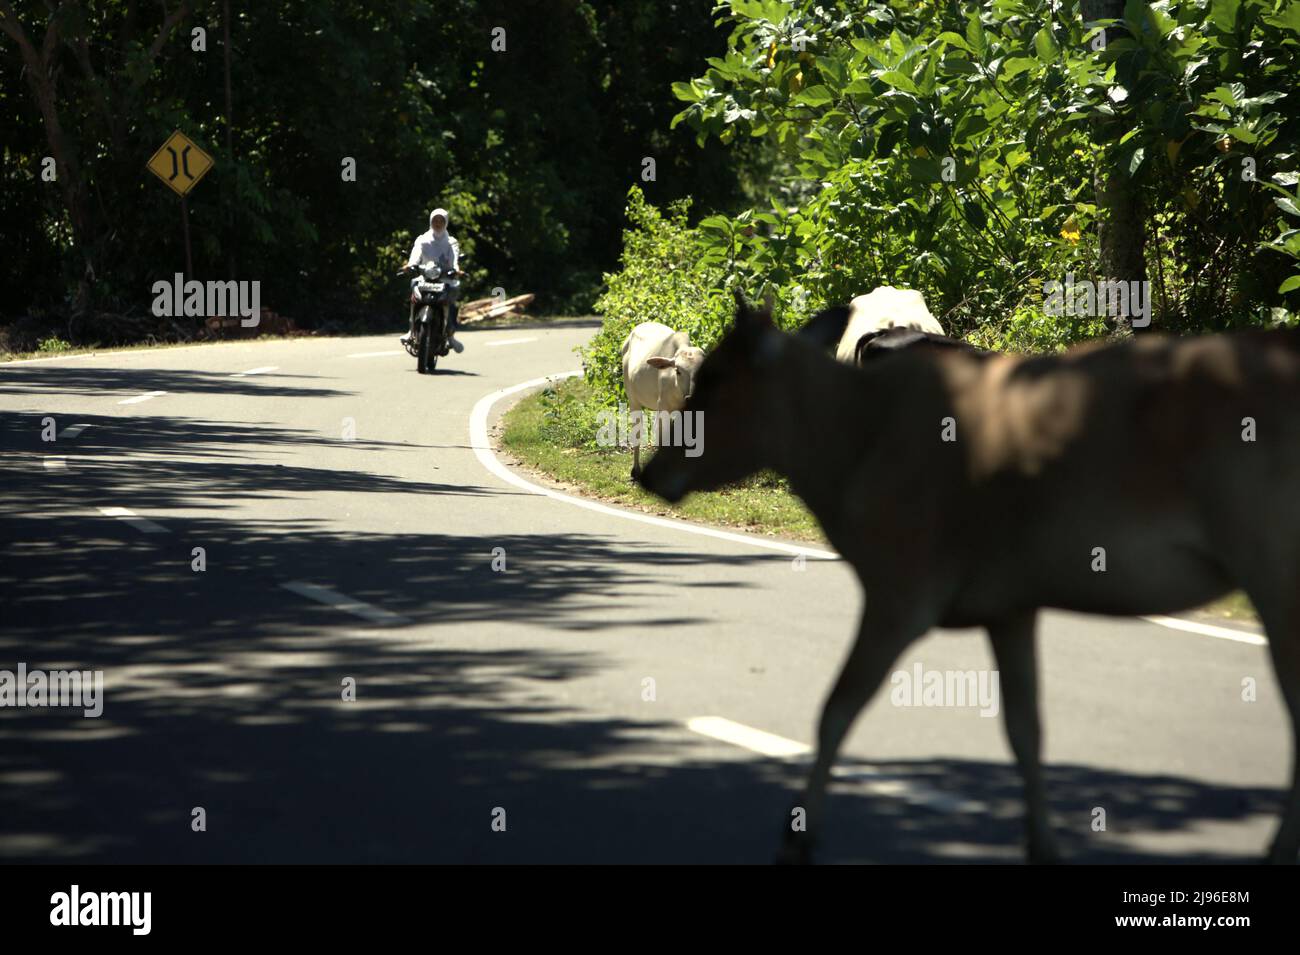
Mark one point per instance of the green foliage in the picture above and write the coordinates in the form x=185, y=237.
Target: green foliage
x=569, y=419
x=1030, y=329
x=531, y=149
x=953, y=148
x=661, y=280
x=53, y=344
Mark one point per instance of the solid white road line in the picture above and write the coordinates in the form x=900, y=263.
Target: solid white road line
x=129, y=516
x=478, y=439
x=1209, y=630
x=358, y=608
x=510, y=341
x=53, y=463
x=778, y=747
x=256, y=371
x=144, y=397
x=377, y=354
x=72, y=430
x=37, y=361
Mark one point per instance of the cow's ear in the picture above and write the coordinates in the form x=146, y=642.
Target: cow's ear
x=826, y=328
x=658, y=362
x=748, y=317
x=756, y=319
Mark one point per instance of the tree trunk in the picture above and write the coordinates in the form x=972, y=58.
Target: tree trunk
x=39, y=67
x=40, y=77
x=1121, y=228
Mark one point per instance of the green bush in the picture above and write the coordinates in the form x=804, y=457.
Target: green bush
x=54, y=344
x=1030, y=329
x=661, y=280
x=569, y=418
x=954, y=148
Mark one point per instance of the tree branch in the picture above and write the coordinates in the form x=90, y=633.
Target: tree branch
x=169, y=23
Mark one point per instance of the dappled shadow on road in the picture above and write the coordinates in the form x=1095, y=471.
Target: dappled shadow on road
x=164, y=463
x=66, y=380
x=224, y=691
x=989, y=826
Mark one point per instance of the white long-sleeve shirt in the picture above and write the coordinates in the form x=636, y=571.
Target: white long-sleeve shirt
x=444, y=250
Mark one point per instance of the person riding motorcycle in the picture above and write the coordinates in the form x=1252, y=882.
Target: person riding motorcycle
x=438, y=246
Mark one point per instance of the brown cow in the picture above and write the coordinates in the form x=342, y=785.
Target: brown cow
x=969, y=489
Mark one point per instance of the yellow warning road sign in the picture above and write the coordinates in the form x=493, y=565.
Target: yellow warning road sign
x=180, y=163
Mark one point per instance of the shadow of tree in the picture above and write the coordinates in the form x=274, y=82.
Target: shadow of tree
x=223, y=689
x=98, y=382
x=234, y=705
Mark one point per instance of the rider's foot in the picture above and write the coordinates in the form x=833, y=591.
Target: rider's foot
x=456, y=346
x=405, y=338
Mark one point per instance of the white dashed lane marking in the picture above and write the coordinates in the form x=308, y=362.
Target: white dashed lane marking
x=358, y=608
x=510, y=341
x=1209, y=630
x=144, y=397
x=142, y=524
x=756, y=741
x=778, y=747
x=256, y=371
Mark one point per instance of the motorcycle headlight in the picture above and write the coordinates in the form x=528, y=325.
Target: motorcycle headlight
x=431, y=272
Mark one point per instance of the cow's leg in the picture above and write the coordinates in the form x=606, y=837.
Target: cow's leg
x=636, y=448
x=1014, y=650
x=1280, y=613
x=877, y=646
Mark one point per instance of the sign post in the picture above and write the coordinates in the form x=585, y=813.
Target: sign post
x=180, y=163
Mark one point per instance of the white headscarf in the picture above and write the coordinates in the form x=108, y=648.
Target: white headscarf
x=446, y=222
x=437, y=247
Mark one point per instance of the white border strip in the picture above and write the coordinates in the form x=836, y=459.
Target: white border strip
x=478, y=439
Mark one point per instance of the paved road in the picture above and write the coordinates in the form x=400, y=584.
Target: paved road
x=370, y=558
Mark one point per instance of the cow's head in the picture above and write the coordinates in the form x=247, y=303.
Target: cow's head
x=729, y=396
x=678, y=373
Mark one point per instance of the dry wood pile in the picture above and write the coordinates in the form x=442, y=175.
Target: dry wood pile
x=271, y=323
x=484, y=308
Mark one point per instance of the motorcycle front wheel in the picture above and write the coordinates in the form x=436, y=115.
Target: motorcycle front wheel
x=428, y=358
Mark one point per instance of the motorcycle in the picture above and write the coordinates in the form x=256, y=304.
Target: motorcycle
x=432, y=299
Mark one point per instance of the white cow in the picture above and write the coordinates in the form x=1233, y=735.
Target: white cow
x=659, y=367
x=880, y=310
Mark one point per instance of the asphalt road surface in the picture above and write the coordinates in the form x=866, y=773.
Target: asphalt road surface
x=623, y=691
